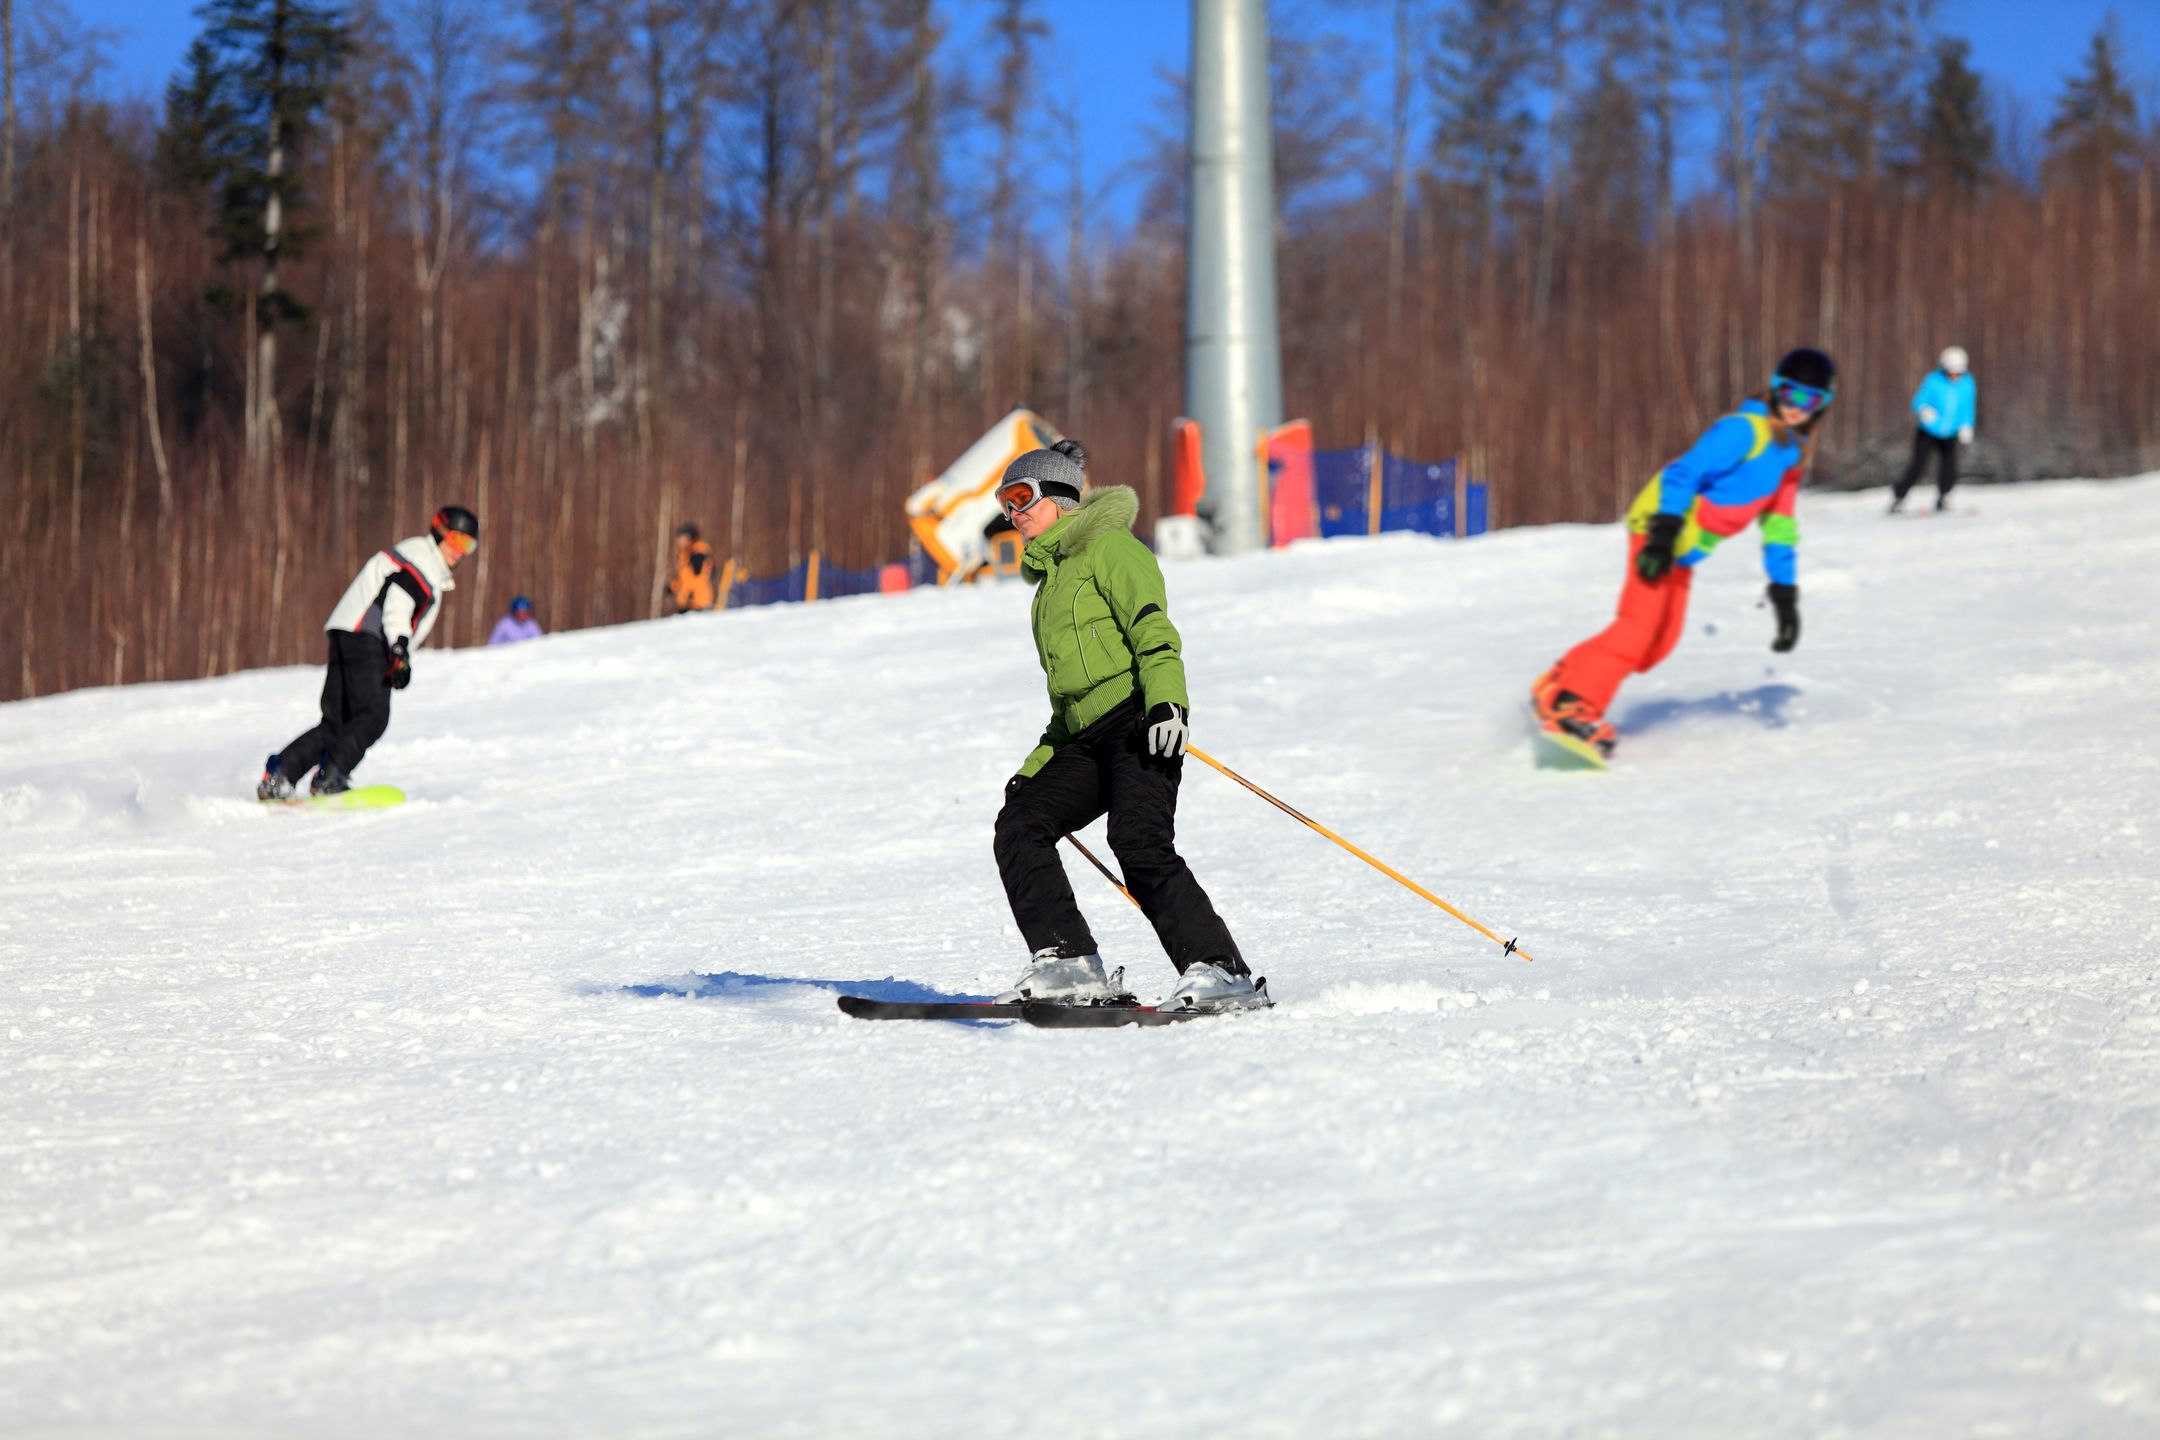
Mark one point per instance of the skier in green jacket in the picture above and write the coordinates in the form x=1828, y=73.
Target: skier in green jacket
x=1115, y=743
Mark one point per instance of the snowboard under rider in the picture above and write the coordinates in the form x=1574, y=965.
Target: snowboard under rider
x=1115, y=743
x=1943, y=413
x=1746, y=467
x=385, y=614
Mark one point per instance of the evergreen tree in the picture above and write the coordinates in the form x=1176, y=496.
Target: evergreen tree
x=1852, y=98
x=257, y=79
x=2095, y=130
x=198, y=123
x=1477, y=89
x=1611, y=164
x=1956, y=140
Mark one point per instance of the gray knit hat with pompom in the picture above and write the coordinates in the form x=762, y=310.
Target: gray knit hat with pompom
x=1060, y=472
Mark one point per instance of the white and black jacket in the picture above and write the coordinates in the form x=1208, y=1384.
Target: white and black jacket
x=397, y=594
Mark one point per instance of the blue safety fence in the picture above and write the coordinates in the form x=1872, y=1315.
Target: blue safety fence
x=834, y=581
x=1342, y=491
x=788, y=585
x=1414, y=495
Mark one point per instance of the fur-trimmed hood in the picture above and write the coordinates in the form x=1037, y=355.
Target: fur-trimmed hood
x=1101, y=512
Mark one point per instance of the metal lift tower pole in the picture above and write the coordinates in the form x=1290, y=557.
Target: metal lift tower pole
x=1233, y=358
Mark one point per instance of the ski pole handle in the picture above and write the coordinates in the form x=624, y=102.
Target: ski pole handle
x=1507, y=947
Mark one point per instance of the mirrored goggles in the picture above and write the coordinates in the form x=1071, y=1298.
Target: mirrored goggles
x=457, y=542
x=1015, y=496
x=1804, y=398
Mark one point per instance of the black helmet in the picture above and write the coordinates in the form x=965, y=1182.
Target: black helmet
x=457, y=518
x=1811, y=368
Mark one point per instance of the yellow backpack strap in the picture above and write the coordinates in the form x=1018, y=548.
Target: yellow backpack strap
x=1764, y=433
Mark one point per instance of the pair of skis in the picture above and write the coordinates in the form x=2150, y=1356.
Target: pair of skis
x=1045, y=1014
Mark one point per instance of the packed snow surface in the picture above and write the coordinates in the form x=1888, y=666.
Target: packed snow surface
x=1829, y=1105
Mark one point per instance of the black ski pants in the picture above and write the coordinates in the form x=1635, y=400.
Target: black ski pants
x=355, y=707
x=1945, y=451
x=1107, y=768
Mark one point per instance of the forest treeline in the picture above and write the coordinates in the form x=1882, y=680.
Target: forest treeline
x=597, y=267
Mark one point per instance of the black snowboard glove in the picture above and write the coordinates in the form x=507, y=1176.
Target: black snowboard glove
x=1012, y=787
x=1656, y=555
x=400, y=672
x=1785, y=599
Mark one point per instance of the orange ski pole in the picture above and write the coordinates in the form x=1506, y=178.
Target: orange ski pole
x=1074, y=841
x=1507, y=947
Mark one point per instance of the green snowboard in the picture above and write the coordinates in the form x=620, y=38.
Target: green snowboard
x=364, y=797
x=1558, y=750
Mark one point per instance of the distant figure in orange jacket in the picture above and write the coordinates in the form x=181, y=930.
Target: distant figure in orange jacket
x=692, y=587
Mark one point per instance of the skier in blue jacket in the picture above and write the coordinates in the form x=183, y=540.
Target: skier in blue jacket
x=1943, y=408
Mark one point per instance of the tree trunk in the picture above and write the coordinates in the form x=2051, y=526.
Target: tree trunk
x=1398, y=183
x=1076, y=277
x=263, y=429
x=148, y=356
x=7, y=149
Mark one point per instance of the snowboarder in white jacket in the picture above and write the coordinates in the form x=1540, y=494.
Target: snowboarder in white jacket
x=384, y=615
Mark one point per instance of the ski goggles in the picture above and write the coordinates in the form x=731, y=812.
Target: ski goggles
x=457, y=542
x=1015, y=496
x=1804, y=398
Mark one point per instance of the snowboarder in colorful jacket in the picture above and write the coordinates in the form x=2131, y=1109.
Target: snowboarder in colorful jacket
x=384, y=615
x=1943, y=414
x=1115, y=743
x=1746, y=467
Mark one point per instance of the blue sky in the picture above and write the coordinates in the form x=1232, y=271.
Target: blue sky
x=1103, y=55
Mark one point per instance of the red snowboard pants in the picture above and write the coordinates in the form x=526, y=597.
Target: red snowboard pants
x=1642, y=634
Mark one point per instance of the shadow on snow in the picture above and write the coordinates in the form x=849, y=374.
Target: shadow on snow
x=1764, y=704
x=732, y=984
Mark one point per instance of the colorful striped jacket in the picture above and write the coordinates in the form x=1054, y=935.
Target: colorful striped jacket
x=1737, y=472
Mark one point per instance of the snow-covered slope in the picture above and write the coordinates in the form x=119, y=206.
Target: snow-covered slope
x=1830, y=1106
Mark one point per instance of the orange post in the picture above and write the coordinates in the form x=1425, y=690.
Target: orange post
x=1507, y=947
x=1188, y=473
x=1372, y=503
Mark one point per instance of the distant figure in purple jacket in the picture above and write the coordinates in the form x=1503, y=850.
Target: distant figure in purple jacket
x=517, y=625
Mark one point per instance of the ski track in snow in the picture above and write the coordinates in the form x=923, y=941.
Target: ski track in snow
x=1830, y=1106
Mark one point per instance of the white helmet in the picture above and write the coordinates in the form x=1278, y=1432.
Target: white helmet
x=1954, y=360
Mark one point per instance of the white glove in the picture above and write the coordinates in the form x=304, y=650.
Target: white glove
x=1965, y=435
x=1927, y=414
x=1166, y=730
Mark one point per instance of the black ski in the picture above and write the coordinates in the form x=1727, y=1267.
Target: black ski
x=862, y=1007
x=1109, y=1017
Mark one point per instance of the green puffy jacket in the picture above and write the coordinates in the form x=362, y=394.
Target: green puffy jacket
x=1100, y=627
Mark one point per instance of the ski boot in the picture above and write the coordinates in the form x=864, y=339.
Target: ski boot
x=1567, y=713
x=274, y=785
x=1069, y=980
x=1590, y=729
x=1217, y=985
x=329, y=780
